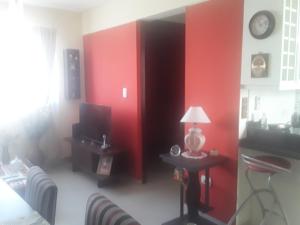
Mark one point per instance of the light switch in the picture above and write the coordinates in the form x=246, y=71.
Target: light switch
x=124, y=93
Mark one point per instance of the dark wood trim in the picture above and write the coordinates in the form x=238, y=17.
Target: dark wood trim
x=143, y=95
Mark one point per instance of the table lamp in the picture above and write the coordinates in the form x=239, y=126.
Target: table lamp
x=195, y=140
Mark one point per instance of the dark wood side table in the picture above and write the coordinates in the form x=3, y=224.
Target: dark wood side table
x=86, y=156
x=193, y=166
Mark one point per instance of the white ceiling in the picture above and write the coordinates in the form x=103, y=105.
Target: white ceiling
x=72, y=5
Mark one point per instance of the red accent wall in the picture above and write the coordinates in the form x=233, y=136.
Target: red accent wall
x=213, y=68
x=112, y=61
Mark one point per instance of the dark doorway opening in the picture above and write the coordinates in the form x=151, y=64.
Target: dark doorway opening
x=163, y=69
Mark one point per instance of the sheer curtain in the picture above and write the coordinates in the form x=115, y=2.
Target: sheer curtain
x=27, y=81
x=28, y=84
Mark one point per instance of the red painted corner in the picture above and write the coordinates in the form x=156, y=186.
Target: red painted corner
x=112, y=62
x=213, y=68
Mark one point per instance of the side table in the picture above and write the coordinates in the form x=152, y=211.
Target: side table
x=86, y=156
x=193, y=166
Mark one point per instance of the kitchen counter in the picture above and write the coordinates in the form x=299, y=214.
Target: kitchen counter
x=274, y=142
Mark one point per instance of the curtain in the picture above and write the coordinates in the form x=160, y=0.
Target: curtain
x=47, y=38
x=28, y=87
x=39, y=123
x=27, y=81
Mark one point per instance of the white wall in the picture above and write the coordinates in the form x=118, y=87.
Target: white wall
x=116, y=12
x=271, y=45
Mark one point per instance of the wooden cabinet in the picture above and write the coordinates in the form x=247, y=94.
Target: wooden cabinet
x=86, y=157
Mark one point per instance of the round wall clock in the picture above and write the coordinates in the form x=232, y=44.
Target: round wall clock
x=262, y=24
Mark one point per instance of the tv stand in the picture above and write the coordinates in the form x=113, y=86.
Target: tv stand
x=86, y=156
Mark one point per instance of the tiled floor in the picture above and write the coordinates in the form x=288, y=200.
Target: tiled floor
x=152, y=203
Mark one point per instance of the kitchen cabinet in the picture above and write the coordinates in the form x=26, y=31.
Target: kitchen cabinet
x=289, y=74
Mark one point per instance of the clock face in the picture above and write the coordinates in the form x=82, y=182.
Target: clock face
x=262, y=24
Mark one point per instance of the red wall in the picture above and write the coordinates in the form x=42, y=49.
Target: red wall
x=112, y=61
x=213, y=66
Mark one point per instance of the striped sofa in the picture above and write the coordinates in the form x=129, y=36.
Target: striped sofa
x=41, y=193
x=102, y=211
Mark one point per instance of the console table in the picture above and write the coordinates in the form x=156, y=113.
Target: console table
x=86, y=156
x=193, y=166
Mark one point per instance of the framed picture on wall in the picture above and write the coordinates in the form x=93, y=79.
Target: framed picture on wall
x=259, y=65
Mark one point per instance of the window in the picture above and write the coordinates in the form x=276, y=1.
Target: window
x=26, y=71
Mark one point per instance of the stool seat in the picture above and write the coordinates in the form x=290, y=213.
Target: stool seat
x=267, y=164
x=264, y=164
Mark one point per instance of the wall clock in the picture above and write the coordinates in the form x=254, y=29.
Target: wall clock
x=262, y=24
x=259, y=65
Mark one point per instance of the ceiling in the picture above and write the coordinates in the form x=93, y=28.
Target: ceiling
x=72, y=5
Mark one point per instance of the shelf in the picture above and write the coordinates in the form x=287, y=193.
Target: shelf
x=86, y=156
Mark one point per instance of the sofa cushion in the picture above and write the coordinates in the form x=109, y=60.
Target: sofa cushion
x=102, y=211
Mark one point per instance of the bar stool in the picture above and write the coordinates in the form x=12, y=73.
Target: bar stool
x=268, y=165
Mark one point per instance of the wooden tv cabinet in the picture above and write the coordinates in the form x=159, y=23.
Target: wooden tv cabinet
x=86, y=156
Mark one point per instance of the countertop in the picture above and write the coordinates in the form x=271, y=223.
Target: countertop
x=275, y=142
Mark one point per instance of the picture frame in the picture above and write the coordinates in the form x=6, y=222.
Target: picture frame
x=105, y=165
x=259, y=65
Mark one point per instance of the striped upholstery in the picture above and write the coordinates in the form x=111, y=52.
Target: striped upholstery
x=101, y=211
x=41, y=193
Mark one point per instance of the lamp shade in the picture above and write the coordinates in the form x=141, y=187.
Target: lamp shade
x=195, y=114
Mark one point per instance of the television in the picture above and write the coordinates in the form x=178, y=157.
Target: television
x=95, y=121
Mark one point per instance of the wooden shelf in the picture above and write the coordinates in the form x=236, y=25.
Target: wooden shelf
x=86, y=157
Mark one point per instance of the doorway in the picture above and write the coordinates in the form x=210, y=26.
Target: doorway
x=163, y=69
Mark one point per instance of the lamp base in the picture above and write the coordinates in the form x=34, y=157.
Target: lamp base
x=194, y=140
x=188, y=155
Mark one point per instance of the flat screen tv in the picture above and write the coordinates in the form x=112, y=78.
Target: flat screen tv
x=95, y=121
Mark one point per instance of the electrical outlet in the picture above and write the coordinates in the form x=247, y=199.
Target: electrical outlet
x=203, y=179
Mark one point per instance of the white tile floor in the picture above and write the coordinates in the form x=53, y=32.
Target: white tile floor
x=152, y=203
